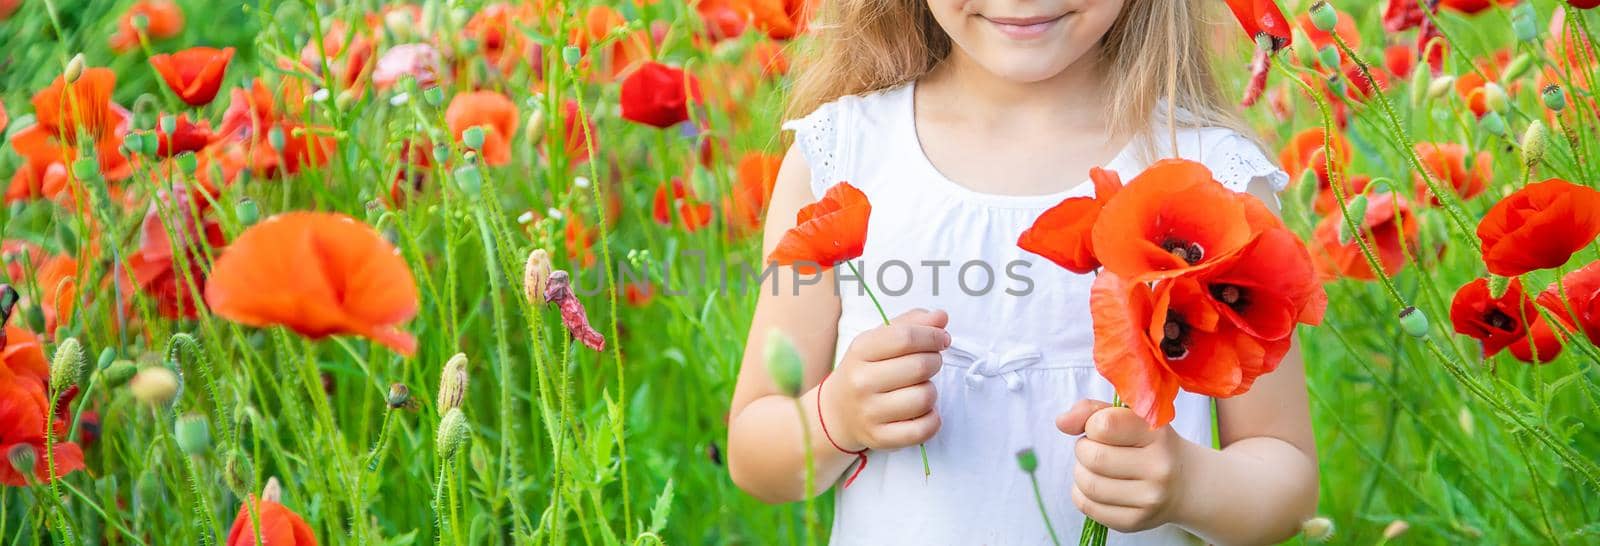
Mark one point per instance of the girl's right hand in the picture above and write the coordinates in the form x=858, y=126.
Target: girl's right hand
x=880, y=397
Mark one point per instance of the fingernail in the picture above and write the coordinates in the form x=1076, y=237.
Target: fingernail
x=946, y=338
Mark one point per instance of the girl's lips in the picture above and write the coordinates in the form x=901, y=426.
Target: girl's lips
x=1022, y=28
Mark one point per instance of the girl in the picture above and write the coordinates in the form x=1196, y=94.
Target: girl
x=962, y=121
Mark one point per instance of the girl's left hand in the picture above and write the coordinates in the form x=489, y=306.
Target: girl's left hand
x=1127, y=476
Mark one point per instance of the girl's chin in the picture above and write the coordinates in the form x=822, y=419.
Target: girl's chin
x=1025, y=71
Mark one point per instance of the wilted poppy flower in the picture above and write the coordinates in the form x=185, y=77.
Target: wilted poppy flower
x=491, y=111
x=677, y=196
x=419, y=61
x=829, y=231
x=62, y=121
x=57, y=279
x=23, y=418
x=1390, y=228
x=1504, y=322
x=558, y=290
x=194, y=74
x=155, y=266
x=1539, y=227
x=658, y=95
x=318, y=274
x=756, y=175
x=1062, y=234
x=1171, y=219
x=163, y=19
x=279, y=526
x=1450, y=166
x=1576, y=299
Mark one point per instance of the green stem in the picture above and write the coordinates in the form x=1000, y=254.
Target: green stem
x=1039, y=498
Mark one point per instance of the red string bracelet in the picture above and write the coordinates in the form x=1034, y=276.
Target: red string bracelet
x=861, y=456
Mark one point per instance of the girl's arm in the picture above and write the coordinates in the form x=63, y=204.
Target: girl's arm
x=879, y=396
x=1257, y=489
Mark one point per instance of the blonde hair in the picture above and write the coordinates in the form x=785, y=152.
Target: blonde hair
x=1155, y=50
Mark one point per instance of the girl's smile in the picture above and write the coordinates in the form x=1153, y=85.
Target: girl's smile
x=1025, y=28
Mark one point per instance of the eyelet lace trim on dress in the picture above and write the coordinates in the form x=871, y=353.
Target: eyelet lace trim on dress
x=817, y=135
x=1243, y=162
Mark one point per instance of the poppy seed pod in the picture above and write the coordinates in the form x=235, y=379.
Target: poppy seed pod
x=1027, y=460
x=1329, y=56
x=535, y=275
x=1317, y=529
x=1395, y=529
x=193, y=434
x=1323, y=16
x=1523, y=22
x=783, y=363
x=150, y=142
x=571, y=55
x=470, y=180
x=473, y=137
x=275, y=137
x=247, y=211
x=155, y=385
x=1493, y=123
x=1413, y=322
x=23, y=458
x=453, y=382
x=1554, y=98
x=86, y=168
x=434, y=95
x=453, y=433
x=187, y=162
x=1534, y=142
x=399, y=396
x=74, y=69
x=67, y=366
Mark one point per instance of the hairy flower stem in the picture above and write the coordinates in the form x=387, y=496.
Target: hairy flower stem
x=509, y=457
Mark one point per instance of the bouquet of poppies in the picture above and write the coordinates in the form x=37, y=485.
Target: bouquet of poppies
x=1196, y=287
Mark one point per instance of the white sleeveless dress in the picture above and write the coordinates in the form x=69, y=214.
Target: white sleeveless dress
x=1022, y=339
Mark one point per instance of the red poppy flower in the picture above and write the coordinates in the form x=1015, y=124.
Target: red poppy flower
x=1390, y=227
x=826, y=232
x=1307, y=148
x=1539, y=227
x=302, y=147
x=756, y=174
x=8, y=7
x=497, y=28
x=677, y=195
x=1573, y=50
x=279, y=525
x=250, y=111
x=4, y=118
x=60, y=122
x=186, y=136
x=194, y=74
x=57, y=279
x=1583, y=4
x=1402, y=15
x=1576, y=299
x=1473, y=7
x=622, y=55
x=1471, y=88
x=22, y=360
x=347, y=61
x=491, y=111
x=163, y=19
x=23, y=418
x=1346, y=29
x=658, y=95
x=33, y=177
x=1400, y=60
x=1171, y=219
x=639, y=294
x=1259, y=17
x=318, y=274
x=780, y=19
x=722, y=19
x=1268, y=286
x=1063, y=234
x=1504, y=322
x=579, y=132
x=155, y=267
x=1449, y=165
x=419, y=61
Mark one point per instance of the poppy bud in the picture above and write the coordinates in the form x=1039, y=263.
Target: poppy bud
x=434, y=95
x=248, y=211
x=275, y=137
x=1517, y=68
x=23, y=458
x=237, y=472
x=1464, y=418
x=119, y=372
x=1317, y=529
x=1440, y=86
x=399, y=396
x=1413, y=322
x=571, y=55
x=1493, y=123
x=1495, y=97
x=67, y=239
x=272, y=491
x=1523, y=22
x=453, y=433
x=155, y=385
x=440, y=153
x=74, y=69
x=133, y=143
x=1323, y=16
x=344, y=99
x=86, y=168
x=1329, y=57
x=1027, y=460
x=535, y=274
x=187, y=162
x=399, y=23
x=107, y=356
x=783, y=363
x=192, y=434
x=1395, y=529
x=169, y=124
x=141, y=22
x=534, y=130
x=1554, y=98
x=453, y=382
x=1534, y=141
x=1358, y=212
x=473, y=137
x=67, y=365
x=469, y=180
